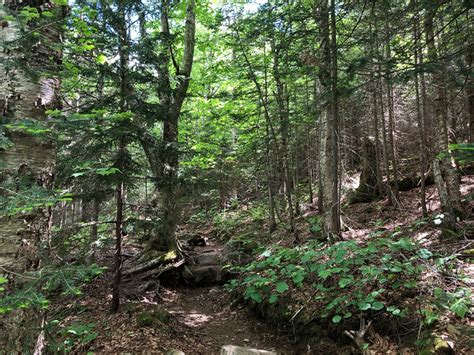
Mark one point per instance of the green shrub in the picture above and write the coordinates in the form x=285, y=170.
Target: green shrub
x=74, y=336
x=50, y=281
x=349, y=279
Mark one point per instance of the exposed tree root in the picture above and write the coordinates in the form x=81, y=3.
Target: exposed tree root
x=156, y=272
x=152, y=264
x=358, y=335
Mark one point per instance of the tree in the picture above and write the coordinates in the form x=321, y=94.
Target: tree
x=330, y=120
x=447, y=182
x=28, y=88
x=163, y=156
x=29, y=64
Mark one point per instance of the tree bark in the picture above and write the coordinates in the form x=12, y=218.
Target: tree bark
x=329, y=140
x=444, y=173
x=281, y=98
x=420, y=118
x=27, y=158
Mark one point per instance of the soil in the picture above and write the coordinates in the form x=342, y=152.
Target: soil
x=202, y=321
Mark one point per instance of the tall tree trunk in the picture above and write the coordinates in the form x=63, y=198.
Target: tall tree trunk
x=118, y=244
x=375, y=114
x=385, y=147
x=391, y=125
x=281, y=98
x=126, y=91
x=470, y=92
x=329, y=142
x=271, y=195
x=423, y=156
x=443, y=170
x=93, y=238
x=27, y=159
x=22, y=97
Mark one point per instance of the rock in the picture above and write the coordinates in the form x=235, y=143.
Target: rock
x=209, y=258
x=197, y=241
x=174, y=352
x=187, y=273
x=214, y=290
x=207, y=275
x=238, y=350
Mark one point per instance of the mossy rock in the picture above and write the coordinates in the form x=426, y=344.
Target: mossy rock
x=162, y=315
x=145, y=319
x=156, y=317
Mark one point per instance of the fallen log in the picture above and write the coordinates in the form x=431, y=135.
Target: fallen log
x=156, y=272
x=149, y=265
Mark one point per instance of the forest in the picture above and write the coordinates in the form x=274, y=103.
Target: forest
x=236, y=177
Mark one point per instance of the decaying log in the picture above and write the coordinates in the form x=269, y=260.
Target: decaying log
x=152, y=264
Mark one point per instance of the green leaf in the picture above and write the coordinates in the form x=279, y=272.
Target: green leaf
x=107, y=171
x=425, y=253
x=394, y=310
x=273, y=299
x=324, y=273
x=101, y=59
x=345, y=281
x=336, y=319
x=377, y=306
x=363, y=306
x=459, y=308
x=298, y=278
x=282, y=287
x=3, y=280
x=255, y=296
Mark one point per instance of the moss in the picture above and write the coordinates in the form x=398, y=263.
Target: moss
x=171, y=255
x=162, y=315
x=156, y=317
x=145, y=319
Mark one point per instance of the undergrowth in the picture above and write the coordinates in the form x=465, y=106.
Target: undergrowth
x=386, y=276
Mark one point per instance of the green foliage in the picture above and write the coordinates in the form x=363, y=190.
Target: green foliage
x=31, y=127
x=442, y=301
x=315, y=224
x=463, y=152
x=2, y=281
x=29, y=198
x=50, y=281
x=349, y=278
x=71, y=337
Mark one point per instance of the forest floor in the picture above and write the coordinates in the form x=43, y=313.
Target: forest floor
x=202, y=320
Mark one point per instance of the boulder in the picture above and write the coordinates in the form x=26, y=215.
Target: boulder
x=238, y=350
x=209, y=258
x=205, y=275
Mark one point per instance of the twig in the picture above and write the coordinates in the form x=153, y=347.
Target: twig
x=301, y=309
x=17, y=274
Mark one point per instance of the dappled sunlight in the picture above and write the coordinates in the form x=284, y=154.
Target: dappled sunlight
x=195, y=319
